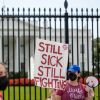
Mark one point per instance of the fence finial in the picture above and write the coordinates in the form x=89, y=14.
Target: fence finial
x=66, y=5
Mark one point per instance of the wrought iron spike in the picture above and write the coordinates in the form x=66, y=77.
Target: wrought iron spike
x=65, y=4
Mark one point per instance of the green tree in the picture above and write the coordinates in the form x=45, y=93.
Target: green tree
x=96, y=54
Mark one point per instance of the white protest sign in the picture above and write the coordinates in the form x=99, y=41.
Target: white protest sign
x=51, y=58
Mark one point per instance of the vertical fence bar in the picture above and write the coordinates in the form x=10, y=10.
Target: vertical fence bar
x=60, y=26
x=50, y=22
x=77, y=29
x=92, y=26
x=2, y=35
x=45, y=27
x=55, y=25
x=29, y=40
x=19, y=49
x=66, y=23
x=82, y=42
x=8, y=48
x=35, y=96
x=87, y=42
x=92, y=40
x=13, y=26
x=3, y=40
x=40, y=37
x=44, y=24
x=24, y=50
x=66, y=28
x=39, y=23
x=71, y=46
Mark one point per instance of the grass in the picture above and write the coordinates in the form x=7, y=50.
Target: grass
x=28, y=93
x=97, y=93
x=25, y=93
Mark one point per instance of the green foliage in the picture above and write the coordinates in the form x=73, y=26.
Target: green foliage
x=96, y=50
x=85, y=73
x=96, y=54
x=18, y=75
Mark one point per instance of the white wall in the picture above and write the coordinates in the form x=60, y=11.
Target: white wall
x=48, y=38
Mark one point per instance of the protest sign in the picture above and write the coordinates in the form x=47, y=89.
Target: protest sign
x=51, y=60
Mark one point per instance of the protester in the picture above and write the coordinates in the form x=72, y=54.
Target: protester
x=74, y=90
x=3, y=79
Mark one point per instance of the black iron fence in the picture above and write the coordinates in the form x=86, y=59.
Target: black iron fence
x=18, y=33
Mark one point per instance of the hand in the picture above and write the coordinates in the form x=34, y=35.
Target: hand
x=1, y=98
x=89, y=91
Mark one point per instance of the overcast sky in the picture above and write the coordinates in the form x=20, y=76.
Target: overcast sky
x=51, y=3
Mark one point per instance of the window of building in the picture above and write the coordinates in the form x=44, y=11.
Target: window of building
x=70, y=63
x=22, y=67
x=82, y=48
x=82, y=65
x=6, y=53
x=70, y=48
x=22, y=53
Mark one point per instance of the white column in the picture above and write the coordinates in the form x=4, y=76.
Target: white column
x=16, y=55
x=0, y=49
x=32, y=67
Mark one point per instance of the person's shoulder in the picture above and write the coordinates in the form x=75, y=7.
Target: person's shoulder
x=83, y=85
x=59, y=92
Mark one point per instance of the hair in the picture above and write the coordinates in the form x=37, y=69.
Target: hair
x=78, y=71
x=70, y=72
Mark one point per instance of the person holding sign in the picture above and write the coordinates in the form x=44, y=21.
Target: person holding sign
x=73, y=89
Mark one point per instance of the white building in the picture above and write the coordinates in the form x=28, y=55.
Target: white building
x=17, y=58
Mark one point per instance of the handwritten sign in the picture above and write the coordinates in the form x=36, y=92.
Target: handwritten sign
x=50, y=64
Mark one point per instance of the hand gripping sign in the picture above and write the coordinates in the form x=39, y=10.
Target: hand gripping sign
x=92, y=81
x=50, y=61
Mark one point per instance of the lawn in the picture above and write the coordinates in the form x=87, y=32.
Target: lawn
x=97, y=93
x=28, y=93
x=25, y=93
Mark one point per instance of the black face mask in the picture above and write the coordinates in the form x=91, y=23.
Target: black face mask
x=72, y=76
x=3, y=82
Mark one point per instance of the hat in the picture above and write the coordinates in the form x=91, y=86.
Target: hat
x=74, y=68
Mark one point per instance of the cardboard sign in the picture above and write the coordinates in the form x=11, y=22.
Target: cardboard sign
x=51, y=60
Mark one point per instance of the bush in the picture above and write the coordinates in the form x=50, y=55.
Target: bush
x=21, y=82
x=15, y=75
x=86, y=74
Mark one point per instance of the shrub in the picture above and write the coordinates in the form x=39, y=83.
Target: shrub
x=15, y=75
x=21, y=82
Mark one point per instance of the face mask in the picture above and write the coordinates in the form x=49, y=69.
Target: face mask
x=72, y=76
x=3, y=82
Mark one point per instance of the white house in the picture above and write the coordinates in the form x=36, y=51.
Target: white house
x=16, y=34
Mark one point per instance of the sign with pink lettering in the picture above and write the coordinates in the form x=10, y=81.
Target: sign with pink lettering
x=50, y=65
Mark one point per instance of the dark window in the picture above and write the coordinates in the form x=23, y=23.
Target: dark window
x=70, y=48
x=82, y=49
x=22, y=67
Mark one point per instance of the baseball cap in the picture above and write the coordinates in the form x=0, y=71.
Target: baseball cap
x=74, y=68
